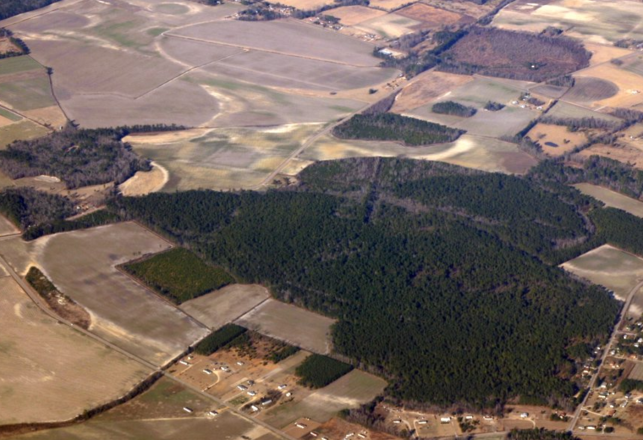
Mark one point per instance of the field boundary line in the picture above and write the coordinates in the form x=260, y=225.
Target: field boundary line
x=276, y=52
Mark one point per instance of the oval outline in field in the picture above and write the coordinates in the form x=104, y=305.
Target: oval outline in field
x=591, y=89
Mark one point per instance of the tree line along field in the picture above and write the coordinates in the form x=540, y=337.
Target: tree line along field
x=492, y=284
x=179, y=275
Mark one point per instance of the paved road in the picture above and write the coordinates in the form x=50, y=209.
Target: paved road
x=606, y=350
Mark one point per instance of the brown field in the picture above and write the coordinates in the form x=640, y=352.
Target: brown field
x=352, y=15
x=7, y=46
x=588, y=90
x=338, y=428
x=630, y=91
x=145, y=182
x=130, y=316
x=564, y=140
x=291, y=324
x=464, y=7
x=431, y=17
x=48, y=115
x=44, y=362
x=622, y=153
x=225, y=305
x=602, y=53
x=426, y=88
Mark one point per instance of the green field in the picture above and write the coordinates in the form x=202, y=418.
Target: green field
x=28, y=94
x=18, y=64
x=23, y=130
x=10, y=115
x=179, y=275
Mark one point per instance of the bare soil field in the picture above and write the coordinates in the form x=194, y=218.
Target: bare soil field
x=587, y=90
x=431, y=17
x=612, y=198
x=225, y=305
x=599, y=22
x=637, y=372
x=272, y=69
x=350, y=391
x=352, y=15
x=602, y=53
x=43, y=362
x=469, y=151
x=609, y=267
x=145, y=182
x=464, y=7
x=122, y=311
x=291, y=324
x=427, y=88
x=289, y=37
x=226, y=158
x=51, y=116
x=628, y=83
x=389, y=5
x=339, y=428
x=389, y=26
x=556, y=140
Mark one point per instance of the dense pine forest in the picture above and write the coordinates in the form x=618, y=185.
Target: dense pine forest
x=9, y=8
x=443, y=279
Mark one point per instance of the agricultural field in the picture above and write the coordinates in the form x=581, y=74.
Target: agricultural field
x=601, y=22
x=291, y=324
x=565, y=110
x=144, y=62
x=145, y=182
x=225, y=305
x=7, y=228
x=637, y=372
x=131, y=317
x=623, y=153
x=158, y=413
x=432, y=17
x=476, y=93
x=178, y=274
x=350, y=391
x=389, y=26
x=609, y=85
x=612, y=198
x=556, y=140
x=44, y=362
x=223, y=158
x=477, y=152
x=352, y=15
x=609, y=267
x=427, y=88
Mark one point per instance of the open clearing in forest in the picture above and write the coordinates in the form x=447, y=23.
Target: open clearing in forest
x=349, y=391
x=291, y=324
x=609, y=267
x=122, y=311
x=43, y=363
x=469, y=151
x=158, y=414
x=594, y=21
x=612, y=198
x=225, y=305
x=556, y=140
